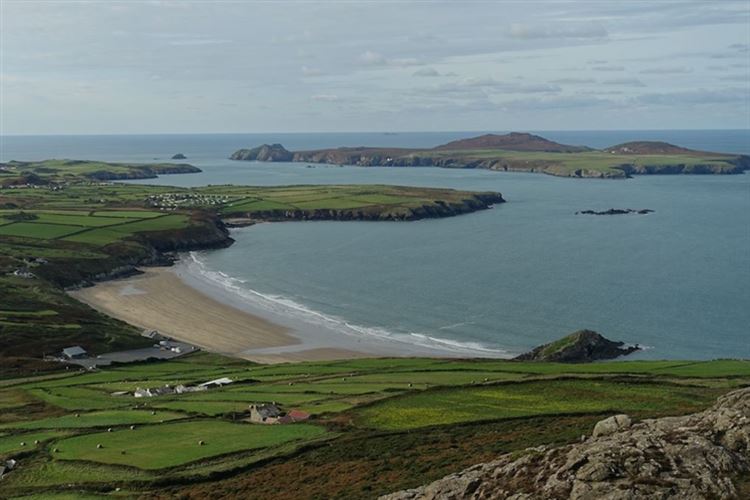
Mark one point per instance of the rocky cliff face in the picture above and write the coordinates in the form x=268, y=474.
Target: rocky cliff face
x=266, y=152
x=691, y=457
x=438, y=209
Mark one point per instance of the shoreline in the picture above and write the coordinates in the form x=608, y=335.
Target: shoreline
x=160, y=300
x=183, y=303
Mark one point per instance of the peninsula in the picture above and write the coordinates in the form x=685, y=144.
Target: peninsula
x=521, y=152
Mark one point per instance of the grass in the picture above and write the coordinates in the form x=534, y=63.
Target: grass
x=12, y=443
x=549, y=397
x=169, y=445
x=97, y=419
x=55, y=472
x=37, y=230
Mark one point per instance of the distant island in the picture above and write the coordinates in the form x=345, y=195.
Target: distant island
x=521, y=152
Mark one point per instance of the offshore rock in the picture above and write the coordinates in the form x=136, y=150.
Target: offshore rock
x=579, y=347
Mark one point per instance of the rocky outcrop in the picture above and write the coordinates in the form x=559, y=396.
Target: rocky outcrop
x=266, y=152
x=617, y=211
x=582, y=346
x=691, y=457
x=179, y=156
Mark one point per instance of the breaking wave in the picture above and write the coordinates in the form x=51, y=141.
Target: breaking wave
x=284, y=306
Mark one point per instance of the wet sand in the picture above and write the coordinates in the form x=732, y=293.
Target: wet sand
x=160, y=300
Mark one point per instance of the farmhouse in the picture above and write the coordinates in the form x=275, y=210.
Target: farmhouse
x=265, y=413
x=272, y=414
x=153, y=335
x=74, y=352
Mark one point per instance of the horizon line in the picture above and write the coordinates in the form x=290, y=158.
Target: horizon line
x=374, y=132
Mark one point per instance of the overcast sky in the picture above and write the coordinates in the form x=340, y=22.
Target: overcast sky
x=242, y=66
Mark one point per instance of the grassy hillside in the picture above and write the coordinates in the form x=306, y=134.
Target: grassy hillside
x=378, y=424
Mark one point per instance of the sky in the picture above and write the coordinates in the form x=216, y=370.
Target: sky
x=109, y=67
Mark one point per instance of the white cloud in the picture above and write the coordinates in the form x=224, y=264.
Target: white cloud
x=608, y=68
x=371, y=58
x=624, y=82
x=667, y=70
x=574, y=81
x=429, y=72
x=325, y=97
x=557, y=30
x=307, y=71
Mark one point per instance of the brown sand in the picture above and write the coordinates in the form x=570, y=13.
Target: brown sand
x=160, y=300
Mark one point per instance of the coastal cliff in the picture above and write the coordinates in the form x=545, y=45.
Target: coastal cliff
x=520, y=152
x=427, y=210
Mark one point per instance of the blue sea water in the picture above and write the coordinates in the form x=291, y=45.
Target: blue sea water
x=502, y=280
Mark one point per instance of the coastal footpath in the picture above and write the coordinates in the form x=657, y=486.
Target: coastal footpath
x=520, y=152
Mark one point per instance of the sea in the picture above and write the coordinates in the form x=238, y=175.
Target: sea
x=493, y=283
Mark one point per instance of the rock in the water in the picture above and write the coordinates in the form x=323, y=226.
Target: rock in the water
x=578, y=347
x=179, y=156
x=692, y=457
x=266, y=152
x=617, y=211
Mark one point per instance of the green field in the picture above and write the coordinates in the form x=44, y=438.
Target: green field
x=97, y=419
x=531, y=399
x=178, y=442
x=25, y=441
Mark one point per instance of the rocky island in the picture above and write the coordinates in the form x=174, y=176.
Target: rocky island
x=520, y=152
x=583, y=346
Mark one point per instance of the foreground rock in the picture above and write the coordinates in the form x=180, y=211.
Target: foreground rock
x=579, y=347
x=691, y=457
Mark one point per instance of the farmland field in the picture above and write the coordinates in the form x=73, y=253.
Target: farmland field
x=178, y=442
x=408, y=419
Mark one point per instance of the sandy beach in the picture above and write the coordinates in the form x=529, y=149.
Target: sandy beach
x=159, y=300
